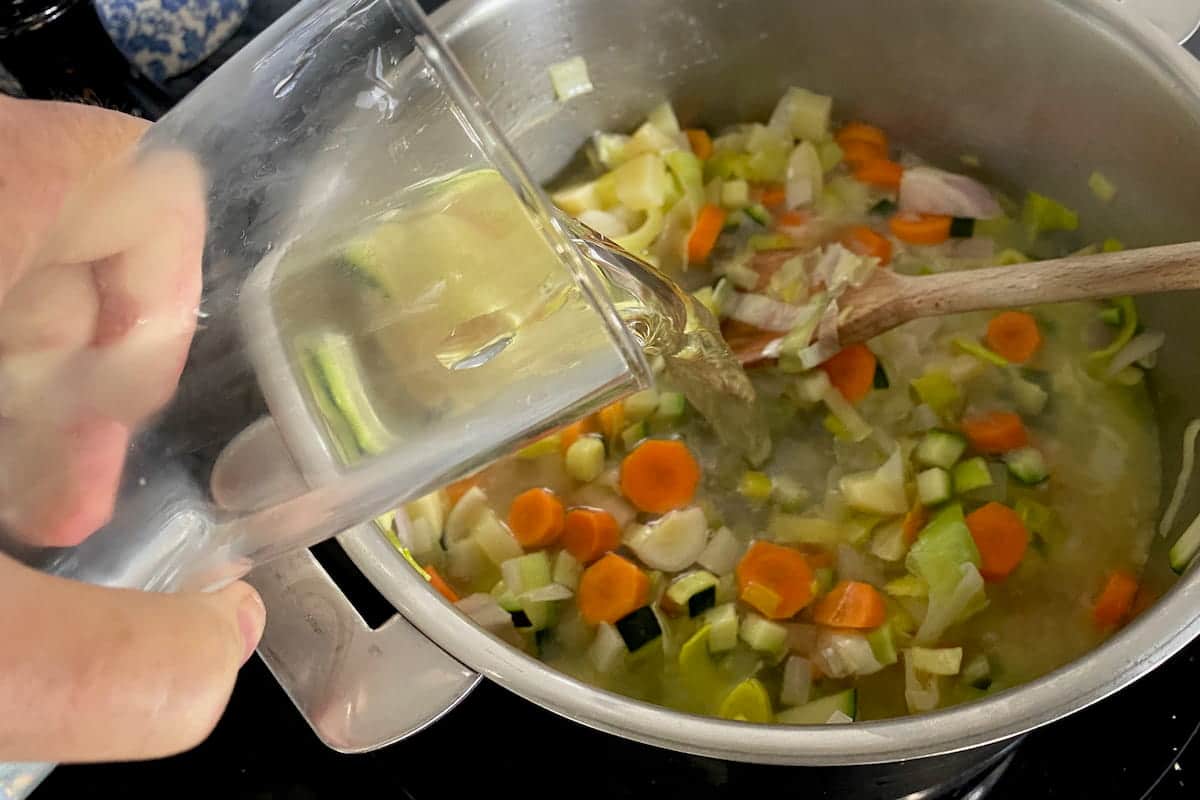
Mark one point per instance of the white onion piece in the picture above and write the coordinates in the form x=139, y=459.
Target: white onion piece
x=1138, y=348
x=547, y=593
x=926, y=190
x=604, y=223
x=673, y=542
x=764, y=312
x=827, y=344
x=922, y=692
x=797, y=682
x=839, y=654
x=485, y=611
x=805, y=177
x=722, y=552
x=1185, y=476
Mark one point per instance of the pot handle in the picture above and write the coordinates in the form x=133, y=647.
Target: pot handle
x=1179, y=19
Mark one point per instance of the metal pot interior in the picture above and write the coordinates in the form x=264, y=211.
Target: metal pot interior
x=1042, y=92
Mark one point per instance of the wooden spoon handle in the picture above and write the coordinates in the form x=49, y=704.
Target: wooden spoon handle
x=1145, y=271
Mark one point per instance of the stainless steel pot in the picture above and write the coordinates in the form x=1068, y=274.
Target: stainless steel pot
x=1042, y=92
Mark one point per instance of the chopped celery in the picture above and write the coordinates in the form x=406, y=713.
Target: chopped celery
x=883, y=644
x=907, y=586
x=771, y=241
x=1185, y=548
x=830, y=154
x=1129, y=322
x=641, y=182
x=936, y=390
x=689, y=173
x=768, y=156
x=755, y=485
x=880, y=491
x=1112, y=245
x=542, y=447
x=936, y=661
x=735, y=193
x=505, y=597
x=940, y=550
x=795, y=529
x=585, y=458
x=847, y=196
x=1101, y=186
x=979, y=351
x=747, y=702
x=1027, y=465
x=640, y=405
x=856, y=427
x=1041, y=213
x=762, y=634
x=570, y=78
x=971, y=474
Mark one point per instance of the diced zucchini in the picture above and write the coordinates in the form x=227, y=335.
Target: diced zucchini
x=671, y=405
x=527, y=572
x=755, y=485
x=723, y=627
x=762, y=634
x=795, y=529
x=934, y=486
x=823, y=580
x=735, y=193
x=1027, y=465
x=585, y=458
x=505, y=598
x=607, y=650
x=880, y=380
x=335, y=368
x=640, y=405
x=566, y=570
x=758, y=212
x=539, y=615
x=977, y=672
x=888, y=542
x=962, y=228
x=936, y=661
x=820, y=711
x=940, y=449
x=638, y=628
x=633, y=435
x=941, y=549
x=971, y=474
x=1185, y=548
x=696, y=592
x=907, y=586
x=884, y=208
x=883, y=644
x=747, y=702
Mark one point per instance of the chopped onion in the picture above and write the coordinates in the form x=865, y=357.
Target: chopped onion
x=924, y=418
x=1139, y=347
x=840, y=654
x=764, y=313
x=485, y=611
x=598, y=495
x=921, y=692
x=797, y=682
x=547, y=593
x=943, y=612
x=1185, y=476
x=722, y=552
x=604, y=223
x=926, y=190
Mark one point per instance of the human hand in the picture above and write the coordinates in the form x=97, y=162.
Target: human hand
x=99, y=286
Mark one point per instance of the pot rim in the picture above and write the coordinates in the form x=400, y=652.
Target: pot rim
x=1145, y=643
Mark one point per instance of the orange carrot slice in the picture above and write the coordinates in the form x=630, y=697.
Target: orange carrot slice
x=997, y=432
x=880, y=172
x=1014, y=335
x=660, y=475
x=771, y=195
x=914, y=521
x=861, y=132
x=852, y=371
x=1115, y=600
x=920, y=228
x=589, y=533
x=536, y=518
x=439, y=583
x=703, y=237
x=865, y=242
x=774, y=579
x=857, y=153
x=792, y=219
x=700, y=141
x=851, y=604
x=570, y=434
x=611, y=588
x=1001, y=539
x=612, y=420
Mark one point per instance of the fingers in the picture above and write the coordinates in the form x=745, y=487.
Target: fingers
x=94, y=674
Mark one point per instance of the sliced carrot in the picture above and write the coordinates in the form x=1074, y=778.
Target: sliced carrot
x=704, y=234
x=776, y=580
x=792, y=219
x=880, y=172
x=856, y=153
x=914, y=521
x=1115, y=600
x=771, y=195
x=700, y=141
x=589, y=533
x=456, y=490
x=612, y=420
x=861, y=132
x=660, y=475
x=1014, y=335
x=866, y=242
x=439, y=583
x=536, y=518
x=852, y=371
x=851, y=604
x=921, y=228
x=997, y=432
x=570, y=434
x=1001, y=539
x=611, y=588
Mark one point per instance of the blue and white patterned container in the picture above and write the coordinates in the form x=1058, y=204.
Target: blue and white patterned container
x=164, y=38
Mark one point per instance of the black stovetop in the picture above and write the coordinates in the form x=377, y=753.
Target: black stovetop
x=1132, y=745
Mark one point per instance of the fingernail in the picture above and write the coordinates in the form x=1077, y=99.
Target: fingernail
x=252, y=617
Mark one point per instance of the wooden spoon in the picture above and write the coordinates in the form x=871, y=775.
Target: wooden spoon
x=889, y=299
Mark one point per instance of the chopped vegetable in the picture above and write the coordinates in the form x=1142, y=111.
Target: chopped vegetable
x=973, y=348
x=638, y=628
x=611, y=588
x=940, y=549
x=940, y=449
x=672, y=543
x=866, y=242
x=536, y=518
x=1027, y=465
x=748, y=702
x=851, y=604
x=1129, y=324
x=934, y=486
x=1014, y=335
x=940, y=661
x=1113, y=604
x=695, y=592
x=862, y=132
x=823, y=710
x=722, y=623
x=803, y=114
x=924, y=229
x=774, y=579
x=755, y=485
x=1040, y=213
x=585, y=459
x=852, y=371
x=570, y=78
x=439, y=583
x=997, y=432
x=722, y=552
x=1001, y=539
x=700, y=142
x=937, y=390
x=971, y=474
x=880, y=172
x=704, y=235
x=1185, y=548
x=589, y=533
x=608, y=649
x=1102, y=187
x=797, y=681
x=659, y=476
x=880, y=491
x=762, y=634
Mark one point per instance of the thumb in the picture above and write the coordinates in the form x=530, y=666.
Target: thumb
x=95, y=674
